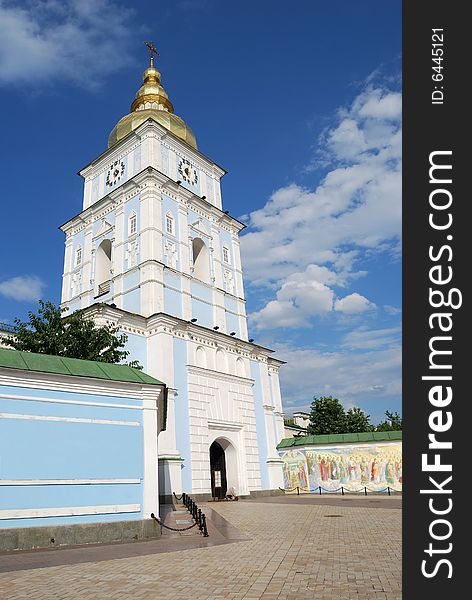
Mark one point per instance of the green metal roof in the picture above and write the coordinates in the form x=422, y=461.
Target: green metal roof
x=45, y=363
x=341, y=438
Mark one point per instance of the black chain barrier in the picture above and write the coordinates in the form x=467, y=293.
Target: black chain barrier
x=291, y=489
x=197, y=515
x=153, y=516
x=344, y=491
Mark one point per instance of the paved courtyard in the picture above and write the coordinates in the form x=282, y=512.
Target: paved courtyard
x=299, y=548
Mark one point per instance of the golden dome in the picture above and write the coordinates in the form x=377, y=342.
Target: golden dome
x=172, y=122
x=152, y=102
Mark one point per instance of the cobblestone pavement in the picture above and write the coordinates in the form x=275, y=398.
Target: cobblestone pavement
x=297, y=551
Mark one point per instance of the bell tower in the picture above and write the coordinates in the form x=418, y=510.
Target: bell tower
x=153, y=251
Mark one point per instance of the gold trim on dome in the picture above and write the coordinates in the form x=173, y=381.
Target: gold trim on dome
x=152, y=98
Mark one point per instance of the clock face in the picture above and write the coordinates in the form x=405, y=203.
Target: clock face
x=115, y=172
x=188, y=172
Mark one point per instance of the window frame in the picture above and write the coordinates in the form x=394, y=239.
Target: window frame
x=169, y=220
x=132, y=224
x=226, y=255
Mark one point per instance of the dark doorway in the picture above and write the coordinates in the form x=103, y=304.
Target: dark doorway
x=218, y=471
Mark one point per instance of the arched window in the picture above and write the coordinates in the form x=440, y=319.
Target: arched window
x=240, y=367
x=103, y=268
x=221, y=361
x=226, y=257
x=201, y=260
x=78, y=256
x=169, y=223
x=200, y=357
x=132, y=224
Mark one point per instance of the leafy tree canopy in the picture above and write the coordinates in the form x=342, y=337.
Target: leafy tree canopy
x=393, y=422
x=74, y=336
x=327, y=416
x=357, y=421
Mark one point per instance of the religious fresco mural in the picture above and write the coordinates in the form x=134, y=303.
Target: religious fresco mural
x=375, y=467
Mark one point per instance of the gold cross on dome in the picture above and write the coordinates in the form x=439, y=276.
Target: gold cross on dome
x=152, y=50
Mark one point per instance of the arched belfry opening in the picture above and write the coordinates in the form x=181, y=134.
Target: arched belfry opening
x=201, y=260
x=103, y=268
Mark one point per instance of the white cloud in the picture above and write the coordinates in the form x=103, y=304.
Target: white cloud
x=26, y=288
x=305, y=295
x=352, y=377
x=353, y=304
x=303, y=242
x=392, y=310
x=370, y=339
x=69, y=40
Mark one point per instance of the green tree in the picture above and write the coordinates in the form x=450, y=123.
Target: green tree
x=326, y=416
x=357, y=421
x=393, y=422
x=74, y=336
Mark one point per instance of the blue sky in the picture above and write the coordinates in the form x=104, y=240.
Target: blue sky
x=301, y=105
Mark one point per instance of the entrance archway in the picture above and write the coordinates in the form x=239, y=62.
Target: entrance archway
x=218, y=471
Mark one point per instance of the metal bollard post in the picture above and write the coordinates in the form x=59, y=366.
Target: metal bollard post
x=298, y=491
x=342, y=491
x=320, y=489
x=199, y=519
x=365, y=491
x=388, y=490
x=204, y=526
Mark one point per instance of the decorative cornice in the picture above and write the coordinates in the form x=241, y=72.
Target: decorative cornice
x=228, y=425
x=70, y=383
x=205, y=372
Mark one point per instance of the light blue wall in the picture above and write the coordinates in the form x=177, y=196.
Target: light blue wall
x=201, y=292
x=132, y=205
x=110, y=218
x=232, y=323
x=131, y=280
x=272, y=401
x=172, y=294
x=170, y=205
x=231, y=304
x=173, y=302
x=50, y=448
x=203, y=312
x=137, y=348
x=260, y=423
x=193, y=217
x=78, y=240
x=182, y=429
x=171, y=280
